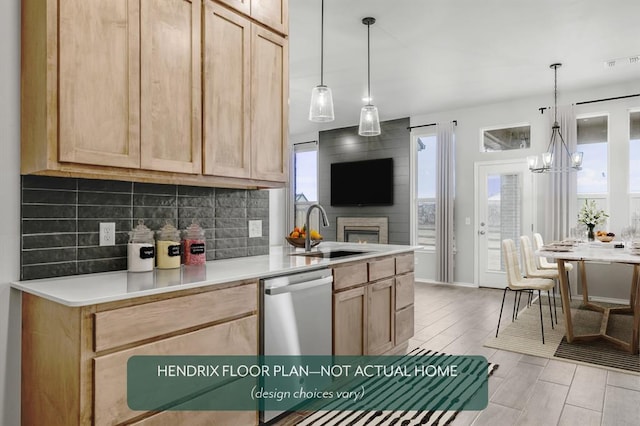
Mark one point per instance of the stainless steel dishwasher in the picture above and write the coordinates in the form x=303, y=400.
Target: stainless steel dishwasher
x=296, y=316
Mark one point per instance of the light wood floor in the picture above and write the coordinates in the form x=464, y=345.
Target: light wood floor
x=524, y=390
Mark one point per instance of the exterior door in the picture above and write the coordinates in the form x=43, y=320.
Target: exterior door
x=504, y=209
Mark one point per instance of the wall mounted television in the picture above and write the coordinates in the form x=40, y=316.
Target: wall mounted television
x=362, y=183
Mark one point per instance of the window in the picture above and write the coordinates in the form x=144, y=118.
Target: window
x=593, y=183
x=634, y=167
x=305, y=181
x=426, y=189
x=507, y=138
x=634, y=152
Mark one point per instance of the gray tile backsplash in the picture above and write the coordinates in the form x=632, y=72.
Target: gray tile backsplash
x=61, y=217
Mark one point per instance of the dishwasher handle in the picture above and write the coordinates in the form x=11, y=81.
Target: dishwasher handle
x=298, y=287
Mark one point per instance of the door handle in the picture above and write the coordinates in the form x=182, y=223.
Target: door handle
x=298, y=287
x=481, y=232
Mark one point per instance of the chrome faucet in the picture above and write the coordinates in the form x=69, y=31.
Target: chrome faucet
x=325, y=223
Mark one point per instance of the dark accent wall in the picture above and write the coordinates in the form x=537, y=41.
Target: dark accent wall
x=340, y=145
x=61, y=217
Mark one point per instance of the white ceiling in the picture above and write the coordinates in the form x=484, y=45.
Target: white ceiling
x=437, y=55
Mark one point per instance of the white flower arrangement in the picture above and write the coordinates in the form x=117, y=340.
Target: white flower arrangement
x=590, y=214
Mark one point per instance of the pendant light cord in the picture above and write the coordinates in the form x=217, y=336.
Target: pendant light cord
x=322, y=44
x=369, y=63
x=555, y=94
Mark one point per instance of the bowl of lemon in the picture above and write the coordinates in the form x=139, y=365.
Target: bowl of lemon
x=297, y=237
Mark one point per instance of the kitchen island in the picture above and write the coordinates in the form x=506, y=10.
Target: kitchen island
x=78, y=332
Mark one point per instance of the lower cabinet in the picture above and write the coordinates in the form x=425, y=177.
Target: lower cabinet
x=373, y=312
x=380, y=317
x=349, y=322
x=238, y=337
x=74, y=359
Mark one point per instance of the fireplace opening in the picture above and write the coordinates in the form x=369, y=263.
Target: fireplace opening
x=372, y=230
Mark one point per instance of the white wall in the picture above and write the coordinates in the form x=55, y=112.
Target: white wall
x=9, y=211
x=471, y=120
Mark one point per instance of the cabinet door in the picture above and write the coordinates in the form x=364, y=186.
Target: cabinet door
x=170, y=86
x=227, y=97
x=272, y=13
x=243, y=6
x=404, y=325
x=349, y=319
x=380, y=316
x=99, y=82
x=269, y=108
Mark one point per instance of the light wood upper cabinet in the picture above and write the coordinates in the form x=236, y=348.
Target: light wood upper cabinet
x=170, y=86
x=245, y=102
x=272, y=13
x=269, y=108
x=129, y=84
x=99, y=92
x=226, y=92
x=117, y=89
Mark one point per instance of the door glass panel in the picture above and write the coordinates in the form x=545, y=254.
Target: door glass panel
x=504, y=204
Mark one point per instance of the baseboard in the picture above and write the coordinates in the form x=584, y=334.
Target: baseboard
x=455, y=283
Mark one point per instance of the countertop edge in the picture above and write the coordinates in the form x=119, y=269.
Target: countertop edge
x=34, y=287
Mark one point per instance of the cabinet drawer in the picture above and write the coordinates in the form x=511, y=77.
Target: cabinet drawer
x=405, y=263
x=200, y=418
x=382, y=268
x=349, y=275
x=239, y=337
x=404, y=290
x=404, y=325
x=131, y=324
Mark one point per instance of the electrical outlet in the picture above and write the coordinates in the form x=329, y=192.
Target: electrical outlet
x=107, y=234
x=255, y=228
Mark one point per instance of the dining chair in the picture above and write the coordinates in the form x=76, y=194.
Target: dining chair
x=531, y=271
x=543, y=263
x=517, y=283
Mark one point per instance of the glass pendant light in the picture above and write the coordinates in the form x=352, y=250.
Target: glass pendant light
x=321, y=108
x=369, y=120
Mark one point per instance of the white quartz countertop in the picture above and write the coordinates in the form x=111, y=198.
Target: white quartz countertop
x=89, y=289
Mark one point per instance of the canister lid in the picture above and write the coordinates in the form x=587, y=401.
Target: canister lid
x=141, y=234
x=194, y=231
x=168, y=232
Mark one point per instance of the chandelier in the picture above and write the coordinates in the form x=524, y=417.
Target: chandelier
x=545, y=162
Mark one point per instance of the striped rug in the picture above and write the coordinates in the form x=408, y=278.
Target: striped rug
x=345, y=417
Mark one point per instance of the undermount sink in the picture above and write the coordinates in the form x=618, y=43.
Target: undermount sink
x=330, y=254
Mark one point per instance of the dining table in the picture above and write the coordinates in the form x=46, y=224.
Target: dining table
x=597, y=252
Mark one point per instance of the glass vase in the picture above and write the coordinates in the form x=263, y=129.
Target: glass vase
x=590, y=235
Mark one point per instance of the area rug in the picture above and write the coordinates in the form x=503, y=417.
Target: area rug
x=343, y=416
x=523, y=336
